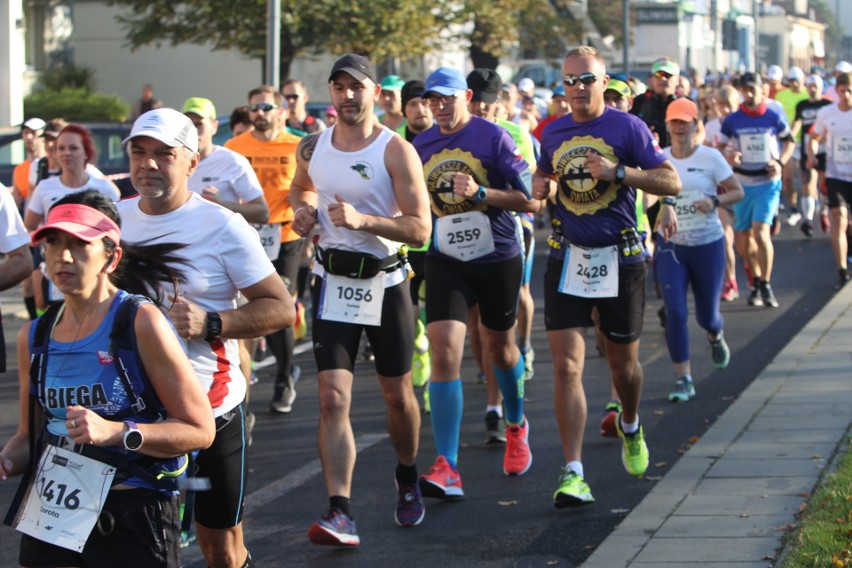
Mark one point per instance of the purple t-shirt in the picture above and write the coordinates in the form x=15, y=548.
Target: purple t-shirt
x=484, y=151
x=593, y=212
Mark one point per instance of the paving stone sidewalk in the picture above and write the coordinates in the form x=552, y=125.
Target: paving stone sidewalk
x=729, y=501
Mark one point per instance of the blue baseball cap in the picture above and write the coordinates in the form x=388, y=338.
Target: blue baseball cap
x=559, y=91
x=445, y=81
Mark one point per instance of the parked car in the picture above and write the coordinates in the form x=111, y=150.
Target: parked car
x=107, y=136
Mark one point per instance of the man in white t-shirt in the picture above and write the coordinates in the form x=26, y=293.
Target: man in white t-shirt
x=223, y=176
x=14, y=239
x=224, y=258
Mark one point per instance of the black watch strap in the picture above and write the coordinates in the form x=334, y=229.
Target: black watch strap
x=214, y=326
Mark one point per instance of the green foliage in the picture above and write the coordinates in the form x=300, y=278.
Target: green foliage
x=78, y=105
x=71, y=76
x=377, y=28
x=822, y=536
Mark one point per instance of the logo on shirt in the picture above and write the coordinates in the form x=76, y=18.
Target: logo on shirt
x=439, y=172
x=364, y=170
x=104, y=357
x=579, y=192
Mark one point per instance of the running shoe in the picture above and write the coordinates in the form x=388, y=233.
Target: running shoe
x=409, y=509
x=661, y=313
x=754, y=298
x=843, y=280
x=684, y=390
x=766, y=293
x=793, y=218
x=730, y=292
x=442, y=481
x=720, y=353
x=634, y=456
x=611, y=411
x=187, y=538
x=334, y=529
x=480, y=378
x=807, y=228
x=573, y=491
x=283, y=398
x=495, y=429
x=367, y=352
x=518, y=458
x=529, y=359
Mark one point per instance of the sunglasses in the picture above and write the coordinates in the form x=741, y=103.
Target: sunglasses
x=663, y=75
x=265, y=107
x=294, y=97
x=435, y=100
x=586, y=78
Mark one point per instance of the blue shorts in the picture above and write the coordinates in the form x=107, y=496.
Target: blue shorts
x=759, y=205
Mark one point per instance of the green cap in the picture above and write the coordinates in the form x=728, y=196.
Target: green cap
x=665, y=65
x=392, y=83
x=619, y=87
x=200, y=106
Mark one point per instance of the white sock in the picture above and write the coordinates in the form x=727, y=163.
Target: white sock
x=631, y=428
x=496, y=408
x=576, y=467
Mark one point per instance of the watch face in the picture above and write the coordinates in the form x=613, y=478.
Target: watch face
x=133, y=440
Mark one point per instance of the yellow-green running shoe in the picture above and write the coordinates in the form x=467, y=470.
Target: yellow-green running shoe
x=635, y=453
x=573, y=491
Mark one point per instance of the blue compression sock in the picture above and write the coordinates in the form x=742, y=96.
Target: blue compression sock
x=511, y=384
x=447, y=404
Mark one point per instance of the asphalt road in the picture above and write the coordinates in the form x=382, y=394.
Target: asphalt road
x=502, y=521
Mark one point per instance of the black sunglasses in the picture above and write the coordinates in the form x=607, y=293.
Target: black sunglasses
x=265, y=107
x=586, y=78
x=294, y=97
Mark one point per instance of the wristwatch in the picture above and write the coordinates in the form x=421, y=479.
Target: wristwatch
x=620, y=173
x=480, y=195
x=715, y=201
x=214, y=326
x=132, y=437
x=668, y=201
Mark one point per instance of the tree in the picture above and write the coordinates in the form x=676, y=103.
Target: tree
x=377, y=28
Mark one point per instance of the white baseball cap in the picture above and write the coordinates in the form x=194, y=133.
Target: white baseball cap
x=843, y=67
x=526, y=85
x=796, y=74
x=168, y=126
x=775, y=73
x=814, y=79
x=34, y=124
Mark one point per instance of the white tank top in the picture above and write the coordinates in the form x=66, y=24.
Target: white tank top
x=359, y=178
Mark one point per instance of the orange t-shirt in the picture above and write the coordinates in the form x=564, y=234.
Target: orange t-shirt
x=274, y=162
x=21, y=178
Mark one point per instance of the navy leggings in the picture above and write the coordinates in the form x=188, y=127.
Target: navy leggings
x=677, y=267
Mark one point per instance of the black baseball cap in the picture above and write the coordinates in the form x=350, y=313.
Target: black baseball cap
x=752, y=79
x=412, y=90
x=485, y=84
x=356, y=65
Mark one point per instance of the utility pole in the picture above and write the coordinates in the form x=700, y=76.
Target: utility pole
x=625, y=32
x=273, y=42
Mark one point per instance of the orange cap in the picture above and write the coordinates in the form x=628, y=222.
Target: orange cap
x=682, y=109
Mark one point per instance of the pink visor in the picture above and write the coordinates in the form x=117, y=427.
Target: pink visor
x=82, y=221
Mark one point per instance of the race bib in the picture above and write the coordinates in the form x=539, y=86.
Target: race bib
x=689, y=218
x=464, y=236
x=590, y=273
x=755, y=148
x=351, y=300
x=842, y=149
x=65, y=498
x=270, y=238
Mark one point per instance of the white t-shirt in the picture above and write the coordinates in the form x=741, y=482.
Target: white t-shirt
x=13, y=234
x=50, y=190
x=230, y=173
x=700, y=174
x=91, y=169
x=834, y=126
x=225, y=256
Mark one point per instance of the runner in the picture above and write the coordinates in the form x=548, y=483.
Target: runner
x=475, y=257
x=812, y=178
x=296, y=95
x=754, y=132
x=271, y=149
x=361, y=184
x=834, y=128
x=789, y=99
x=391, y=102
x=595, y=155
x=225, y=259
x=694, y=255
